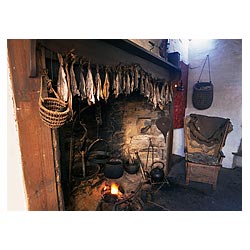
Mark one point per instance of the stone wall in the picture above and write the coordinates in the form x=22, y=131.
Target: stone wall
x=129, y=124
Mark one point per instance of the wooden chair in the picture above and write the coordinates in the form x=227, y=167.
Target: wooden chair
x=203, y=151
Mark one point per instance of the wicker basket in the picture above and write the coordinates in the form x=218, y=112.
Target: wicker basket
x=53, y=111
x=202, y=95
x=203, y=92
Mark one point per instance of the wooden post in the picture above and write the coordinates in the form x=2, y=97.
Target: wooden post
x=57, y=156
x=35, y=138
x=33, y=66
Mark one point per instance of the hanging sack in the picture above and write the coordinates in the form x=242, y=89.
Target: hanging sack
x=54, y=112
x=202, y=97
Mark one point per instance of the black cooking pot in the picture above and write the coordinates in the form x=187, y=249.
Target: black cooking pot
x=113, y=169
x=157, y=173
x=132, y=168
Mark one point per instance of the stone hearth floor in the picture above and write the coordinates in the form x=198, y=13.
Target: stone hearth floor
x=175, y=196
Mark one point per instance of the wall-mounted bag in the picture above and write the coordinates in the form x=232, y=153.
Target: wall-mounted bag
x=203, y=92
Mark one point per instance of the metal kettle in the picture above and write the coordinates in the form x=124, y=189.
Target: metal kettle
x=157, y=172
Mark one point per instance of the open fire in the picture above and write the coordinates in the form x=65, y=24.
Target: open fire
x=113, y=198
x=114, y=189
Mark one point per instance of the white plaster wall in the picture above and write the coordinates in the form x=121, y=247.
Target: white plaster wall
x=16, y=197
x=178, y=142
x=226, y=73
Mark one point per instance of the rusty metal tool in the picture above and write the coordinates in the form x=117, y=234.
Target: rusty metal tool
x=141, y=165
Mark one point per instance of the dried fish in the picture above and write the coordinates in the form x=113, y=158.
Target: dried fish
x=123, y=81
x=106, y=86
x=167, y=94
x=82, y=85
x=98, y=84
x=70, y=93
x=161, y=101
x=151, y=90
x=163, y=92
x=142, y=84
x=132, y=84
x=90, y=87
x=62, y=86
x=158, y=95
x=146, y=87
x=136, y=73
x=127, y=91
x=73, y=82
x=155, y=97
x=116, y=85
x=120, y=80
x=94, y=87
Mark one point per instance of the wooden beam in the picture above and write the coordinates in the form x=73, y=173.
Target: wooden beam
x=135, y=49
x=34, y=136
x=105, y=53
x=33, y=66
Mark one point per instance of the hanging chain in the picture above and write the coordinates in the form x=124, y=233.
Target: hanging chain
x=206, y=60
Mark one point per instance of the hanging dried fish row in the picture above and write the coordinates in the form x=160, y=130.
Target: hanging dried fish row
x=124, y=79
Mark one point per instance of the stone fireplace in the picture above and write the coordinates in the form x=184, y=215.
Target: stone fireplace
x=127, y=124
x=124, y=128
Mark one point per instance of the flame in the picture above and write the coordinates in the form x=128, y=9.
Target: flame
x=114, y=188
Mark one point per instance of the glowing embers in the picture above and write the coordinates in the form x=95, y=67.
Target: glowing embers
x=113, y=198
x=112, y=192
x=114, y=189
